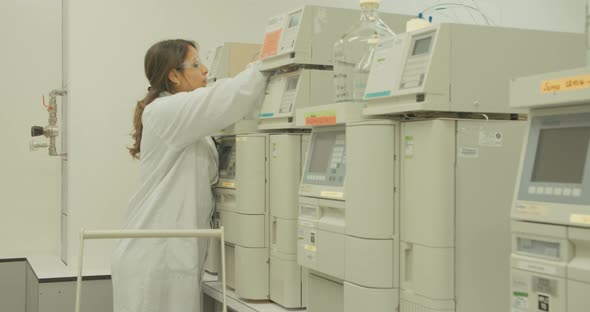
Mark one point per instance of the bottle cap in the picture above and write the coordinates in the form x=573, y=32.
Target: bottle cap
x=369, y=1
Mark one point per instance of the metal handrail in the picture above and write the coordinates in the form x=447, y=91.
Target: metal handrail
x=209, y=233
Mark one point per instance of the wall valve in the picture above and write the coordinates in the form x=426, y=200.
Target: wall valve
x=37, y=131
x=51, y=131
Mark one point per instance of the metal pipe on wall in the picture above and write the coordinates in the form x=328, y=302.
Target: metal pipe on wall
x=51, y=131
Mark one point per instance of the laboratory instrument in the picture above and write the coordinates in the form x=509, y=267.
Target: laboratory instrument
x=456, y=176
x=550, y=261
x=348, y=228
x=287, y=91
x=462, y=68
x=306, y=35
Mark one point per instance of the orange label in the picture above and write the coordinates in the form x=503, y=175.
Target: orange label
x=320, y=118
x=318, y=121
x=565, y=84
x=271, y=43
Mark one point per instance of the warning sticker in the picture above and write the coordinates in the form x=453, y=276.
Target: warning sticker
x=228, y=184
x=532, y=209
x=310, y=248
x=272, y=37
x=565, y=84
x=271, y=43
x=490, y=138
x=321, y=118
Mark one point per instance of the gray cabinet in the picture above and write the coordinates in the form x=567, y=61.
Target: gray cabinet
x=13, y=285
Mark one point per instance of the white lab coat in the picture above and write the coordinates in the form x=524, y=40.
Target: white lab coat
x=177, y=167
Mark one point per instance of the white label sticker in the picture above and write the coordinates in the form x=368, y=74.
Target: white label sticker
x=383, y=81
x=520, y=303
x=490, y=138
x=306, y=223
x=409, y=147
x=580, y=219
x=536, y=267
x=382, y=51
x=520, y=283
x=275, y=22
x=468, y=152
x=274, y=150
x=331, y=194
x=300, y=234
x=310, y=256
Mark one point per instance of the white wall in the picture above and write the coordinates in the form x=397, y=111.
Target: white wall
x=561, y=15
x=30, y=64
x=107, y=42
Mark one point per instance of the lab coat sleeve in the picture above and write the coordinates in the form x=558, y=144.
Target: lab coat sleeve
x=184, y=118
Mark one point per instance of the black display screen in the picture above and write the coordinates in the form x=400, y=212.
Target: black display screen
x=561, y=155
x=422, y=46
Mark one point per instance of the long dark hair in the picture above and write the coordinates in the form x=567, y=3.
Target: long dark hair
x=160, y=59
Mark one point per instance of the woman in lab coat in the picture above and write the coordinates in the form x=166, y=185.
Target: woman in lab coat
x=178, y=165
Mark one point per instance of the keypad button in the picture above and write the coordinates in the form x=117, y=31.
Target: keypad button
x=532, y=190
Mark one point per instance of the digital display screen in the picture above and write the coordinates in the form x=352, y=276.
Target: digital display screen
x=292, y=83
x=322, y=152
x=422, y=46
x=294, y=19
x=561, y=155
x=538, y=247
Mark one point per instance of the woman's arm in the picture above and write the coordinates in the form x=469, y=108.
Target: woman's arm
x=183, y=118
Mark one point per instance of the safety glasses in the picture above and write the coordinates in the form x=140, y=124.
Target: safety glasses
x=196, y=64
